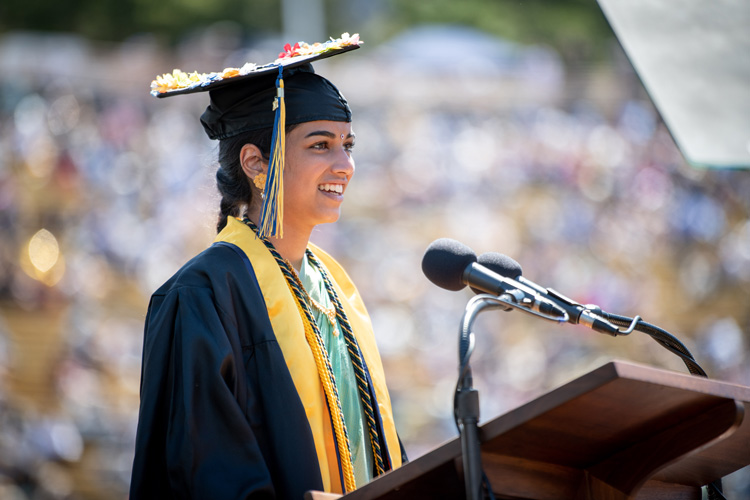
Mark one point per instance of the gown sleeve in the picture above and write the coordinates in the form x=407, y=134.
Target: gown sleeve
x=195, y=435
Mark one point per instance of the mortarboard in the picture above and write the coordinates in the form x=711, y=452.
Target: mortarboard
x=284, y=92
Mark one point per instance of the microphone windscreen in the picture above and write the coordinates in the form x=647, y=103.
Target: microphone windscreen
x=445, y=261
x=501, y=264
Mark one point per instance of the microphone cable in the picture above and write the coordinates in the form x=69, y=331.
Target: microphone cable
x=671, y=343
x=663, y=337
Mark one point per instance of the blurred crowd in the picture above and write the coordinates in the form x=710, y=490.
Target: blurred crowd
x=105, y=191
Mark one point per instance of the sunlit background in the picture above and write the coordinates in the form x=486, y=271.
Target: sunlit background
x=516, y=127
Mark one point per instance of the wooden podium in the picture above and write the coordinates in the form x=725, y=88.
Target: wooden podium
x=623, y=431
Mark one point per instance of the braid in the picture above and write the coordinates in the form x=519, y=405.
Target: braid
x=235, y=192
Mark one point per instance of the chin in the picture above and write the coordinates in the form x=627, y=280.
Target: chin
x=328, y=218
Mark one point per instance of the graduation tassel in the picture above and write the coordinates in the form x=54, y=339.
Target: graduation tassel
x=272, y=211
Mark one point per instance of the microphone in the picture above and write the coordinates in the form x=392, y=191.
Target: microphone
x=577, y=313
x=452, y=265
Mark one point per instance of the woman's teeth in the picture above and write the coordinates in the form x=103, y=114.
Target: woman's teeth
x=332, y=188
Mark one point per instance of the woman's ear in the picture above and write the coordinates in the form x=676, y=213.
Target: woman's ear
x=252, y=162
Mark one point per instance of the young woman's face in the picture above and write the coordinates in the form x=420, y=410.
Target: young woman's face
x=318, y=168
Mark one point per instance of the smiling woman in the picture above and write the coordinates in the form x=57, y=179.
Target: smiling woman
x=319, y=165
x=261, y=376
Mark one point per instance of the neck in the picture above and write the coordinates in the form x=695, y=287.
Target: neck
x=292, y=246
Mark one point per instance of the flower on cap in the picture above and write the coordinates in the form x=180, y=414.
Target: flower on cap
x=176, y=79
x=305, y=49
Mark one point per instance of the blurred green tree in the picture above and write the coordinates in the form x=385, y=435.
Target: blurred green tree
x=111, y=20
x=567, y=24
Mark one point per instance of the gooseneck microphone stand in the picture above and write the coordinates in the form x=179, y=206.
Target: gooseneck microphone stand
x=466, y=398
x=467, y=419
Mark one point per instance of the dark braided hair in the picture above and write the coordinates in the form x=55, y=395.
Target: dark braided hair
x=234, y=186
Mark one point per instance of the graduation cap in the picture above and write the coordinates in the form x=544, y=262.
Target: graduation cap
x=284, y=92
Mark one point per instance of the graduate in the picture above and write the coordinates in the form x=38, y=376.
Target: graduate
x=261, y=377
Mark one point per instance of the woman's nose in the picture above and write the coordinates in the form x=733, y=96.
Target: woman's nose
x=344, y=163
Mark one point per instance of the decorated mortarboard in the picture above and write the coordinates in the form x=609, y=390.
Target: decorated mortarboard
x=179, y=82
x=284, y=92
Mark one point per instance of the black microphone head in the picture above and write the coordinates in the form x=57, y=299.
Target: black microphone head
x=501, y=264
x=445, y=261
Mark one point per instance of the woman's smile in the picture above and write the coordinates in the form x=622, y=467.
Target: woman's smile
x=318, y=168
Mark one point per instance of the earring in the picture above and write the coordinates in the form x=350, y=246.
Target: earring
x=260, y=182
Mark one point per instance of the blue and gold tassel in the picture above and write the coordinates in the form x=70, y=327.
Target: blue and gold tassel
x=272, y=211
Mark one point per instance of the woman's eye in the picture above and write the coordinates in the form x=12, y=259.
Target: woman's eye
x=320, y=145
x=349, y=147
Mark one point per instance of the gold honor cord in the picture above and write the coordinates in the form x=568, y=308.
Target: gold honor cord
x=323, y=365
x=359, y=367
x=325, y=371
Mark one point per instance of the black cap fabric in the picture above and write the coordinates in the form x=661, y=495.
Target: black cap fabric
x=247, y=105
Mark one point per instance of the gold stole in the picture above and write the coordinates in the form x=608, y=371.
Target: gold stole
x=290, y=334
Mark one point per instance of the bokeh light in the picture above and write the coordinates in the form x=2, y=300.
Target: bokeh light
x=42, y=259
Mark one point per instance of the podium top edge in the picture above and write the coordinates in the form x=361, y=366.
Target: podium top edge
x=644, y=373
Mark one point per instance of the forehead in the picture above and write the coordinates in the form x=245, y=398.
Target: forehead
x=323, y=127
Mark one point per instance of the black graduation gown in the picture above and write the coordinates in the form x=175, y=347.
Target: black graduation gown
x=220, y=416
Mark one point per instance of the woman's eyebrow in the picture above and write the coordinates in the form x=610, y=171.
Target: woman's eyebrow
x=328, y=134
